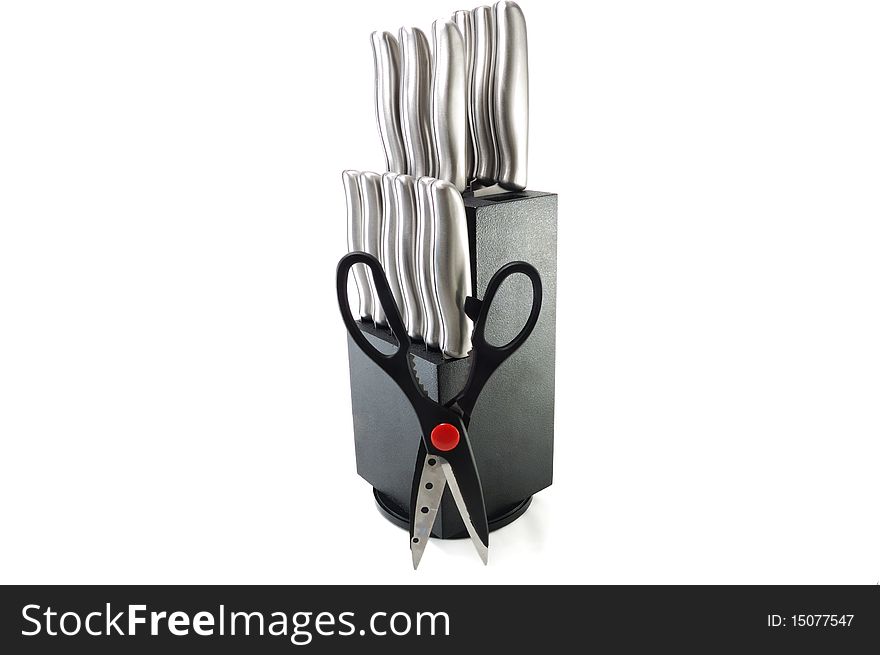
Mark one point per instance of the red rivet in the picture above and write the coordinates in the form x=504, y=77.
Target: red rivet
x=445, y=436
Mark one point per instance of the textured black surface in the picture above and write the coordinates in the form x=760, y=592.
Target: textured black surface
x=511, y=429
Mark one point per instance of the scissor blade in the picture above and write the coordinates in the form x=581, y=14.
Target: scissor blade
x=479, y=514
x=431, y=483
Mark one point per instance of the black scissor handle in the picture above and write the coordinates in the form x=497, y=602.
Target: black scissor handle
x=479, y=335
x=486, y=358
x=394, y=364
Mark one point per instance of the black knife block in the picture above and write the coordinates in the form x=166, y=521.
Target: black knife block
x=511, y=429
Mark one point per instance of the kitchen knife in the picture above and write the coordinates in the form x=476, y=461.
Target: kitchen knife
x=481, y=113
x=448, y=104
x=452, y=268
x=386, y=59
x=389, y=237
x=415, y=101
x=425, y=261
x=371, y=203
x=407, y=234
x=511, y=95
x=462, y=20
x=362, y=279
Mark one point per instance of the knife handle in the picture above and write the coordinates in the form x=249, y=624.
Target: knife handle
x=511, y=95
x=481, y=106
x=415, y=101
x=389, y=238
x=371, y=202
x=462, y=20
x=448, y=103
x=362, y=280
x=452, y=268
x=386, y=60
x=425, y=262
x=407, y=246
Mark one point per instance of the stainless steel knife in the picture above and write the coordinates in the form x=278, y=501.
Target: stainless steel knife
x=415, y=101
x=386, y=59
x=448, y=103
x=482, y=114
x=452, y=268
x=425, y=261
x=462, y=20
x=511, y=96
x=390, y=227
x=407, y=244
x=362, y=279
x=371, y=204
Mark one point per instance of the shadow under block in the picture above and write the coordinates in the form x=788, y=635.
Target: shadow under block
x=511, y=429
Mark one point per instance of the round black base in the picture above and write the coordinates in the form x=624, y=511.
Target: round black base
x=393, y=513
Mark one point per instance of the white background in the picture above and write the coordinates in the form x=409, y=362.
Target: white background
x=174, y=402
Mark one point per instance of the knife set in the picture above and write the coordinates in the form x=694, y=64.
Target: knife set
x=453, y=262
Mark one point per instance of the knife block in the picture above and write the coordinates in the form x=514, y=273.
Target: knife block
x=511, y=429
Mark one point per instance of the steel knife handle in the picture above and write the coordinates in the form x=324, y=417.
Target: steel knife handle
x=511, y=95
x=386, y=59
x=462, y=20
x=371, y=203
x=390, y=226
x=452, y=268
x=407, y=245
x=425, y=262
x=448, y=104
x=362, y=280
x=415, y=101
x=482, y=115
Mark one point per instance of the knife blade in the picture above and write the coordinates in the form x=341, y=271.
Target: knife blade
x=511, y=95
x=481, y=108
x=462, y=20
x=371, y=203
x=415, y=101
x=407, y=244
x=354, y=208
x=448, y=108
x=425, y=262
x=452, y=268
x=386, y=61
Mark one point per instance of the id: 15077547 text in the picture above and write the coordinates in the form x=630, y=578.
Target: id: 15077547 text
x=810, y=621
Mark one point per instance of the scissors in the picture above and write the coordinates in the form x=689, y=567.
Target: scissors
x=445, y=458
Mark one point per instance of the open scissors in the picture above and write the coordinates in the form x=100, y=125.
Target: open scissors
x=445, y=457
